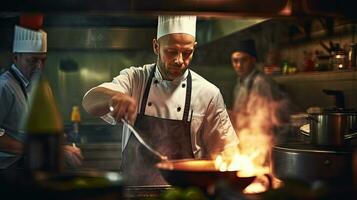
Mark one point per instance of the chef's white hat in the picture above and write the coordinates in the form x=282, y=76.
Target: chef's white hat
x=176, y=24
x=29, y=41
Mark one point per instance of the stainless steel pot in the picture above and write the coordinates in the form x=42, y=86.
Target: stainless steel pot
x=331, y=128
x=310, y=163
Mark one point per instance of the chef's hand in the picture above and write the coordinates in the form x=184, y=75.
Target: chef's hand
x=72, y=156
x=123, y=106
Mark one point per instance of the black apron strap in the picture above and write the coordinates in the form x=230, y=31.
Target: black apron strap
x=187, y=100
x=146, y=93
x=188, y=97
x=14, y=74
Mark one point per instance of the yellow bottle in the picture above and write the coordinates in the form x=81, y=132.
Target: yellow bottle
x=75, y=115
x=44, y=128
x=75, y=119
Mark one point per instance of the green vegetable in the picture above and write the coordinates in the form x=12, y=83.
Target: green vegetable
x=191, y=193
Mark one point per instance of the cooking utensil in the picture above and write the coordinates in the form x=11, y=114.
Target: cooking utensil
x=201, y=173
x=309, y=163
x=330, y=128
x=188, y=172
x=140, y=139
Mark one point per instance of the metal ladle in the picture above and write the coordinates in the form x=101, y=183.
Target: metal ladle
x=140, y=139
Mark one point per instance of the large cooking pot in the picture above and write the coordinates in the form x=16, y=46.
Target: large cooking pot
x=200, y=173
x=331, y=127
x=309, y=163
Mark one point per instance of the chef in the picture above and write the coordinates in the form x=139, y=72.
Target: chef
x=29, y=55
x=257, y=96
x=179, y=113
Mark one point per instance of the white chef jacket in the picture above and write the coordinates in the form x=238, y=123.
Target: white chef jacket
x=264, y=91
x=262, y=85
x=13, y=105
x=211, y=129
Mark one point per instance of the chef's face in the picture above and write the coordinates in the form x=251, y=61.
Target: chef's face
x=174, y=53
x=243, y=63
x=29, y=63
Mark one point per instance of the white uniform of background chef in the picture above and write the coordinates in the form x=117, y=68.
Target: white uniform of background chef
x=29, y=54
x=158, y=93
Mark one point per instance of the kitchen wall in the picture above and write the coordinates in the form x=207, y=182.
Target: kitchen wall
x=95, y=64
x=289, y=39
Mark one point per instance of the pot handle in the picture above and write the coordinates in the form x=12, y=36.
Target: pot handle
x=305, y=133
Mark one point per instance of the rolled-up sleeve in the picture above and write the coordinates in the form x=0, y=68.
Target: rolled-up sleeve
x=130, y=82
x=218, y=132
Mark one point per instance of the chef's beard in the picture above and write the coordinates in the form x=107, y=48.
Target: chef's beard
x=169, y=72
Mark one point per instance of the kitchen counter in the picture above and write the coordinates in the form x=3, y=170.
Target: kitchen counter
x=144, y=192
x=19, y=188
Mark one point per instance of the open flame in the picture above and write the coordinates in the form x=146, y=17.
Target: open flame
x=255, y=128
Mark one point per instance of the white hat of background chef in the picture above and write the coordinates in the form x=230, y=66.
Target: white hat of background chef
x=29, y=41
x=176, y=24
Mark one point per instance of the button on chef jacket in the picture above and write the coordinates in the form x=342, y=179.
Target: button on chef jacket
x=211, y=129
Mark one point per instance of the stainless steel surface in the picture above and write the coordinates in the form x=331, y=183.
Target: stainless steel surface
x=141, y=140
x=101, y=156
x=331, y=128
x=103, y=38
x=309, y=163
x=352, y=55
x=108, y=32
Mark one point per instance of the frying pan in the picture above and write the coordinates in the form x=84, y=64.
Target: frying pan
x=192, y=172
x=200, y=173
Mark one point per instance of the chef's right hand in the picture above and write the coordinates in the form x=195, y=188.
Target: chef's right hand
x=123, y=106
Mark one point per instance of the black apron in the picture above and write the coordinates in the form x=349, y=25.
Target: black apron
x=169, y=137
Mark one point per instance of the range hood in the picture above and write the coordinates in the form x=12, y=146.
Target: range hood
x=254, y=8
x=106, y=32
x=131, y=24
x=100, y=38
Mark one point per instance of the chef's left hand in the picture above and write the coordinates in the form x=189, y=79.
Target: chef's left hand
x=72, y=156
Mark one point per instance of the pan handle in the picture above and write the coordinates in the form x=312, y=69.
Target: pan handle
x=269, y=180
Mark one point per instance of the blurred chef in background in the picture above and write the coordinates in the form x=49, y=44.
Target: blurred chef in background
x=258, y=100
x=179, y=113
x=29, y=55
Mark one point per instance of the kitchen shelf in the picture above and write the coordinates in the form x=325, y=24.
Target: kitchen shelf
x=318, y=76
x=306, y=89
